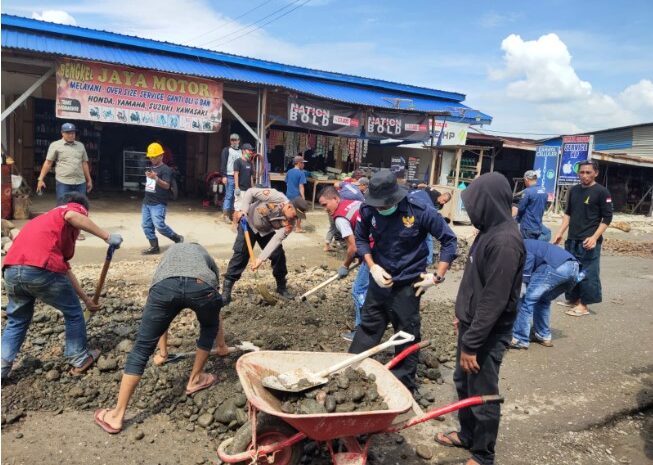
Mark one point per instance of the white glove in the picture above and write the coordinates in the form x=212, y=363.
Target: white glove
x=427, y=280
x=523, y=290
x=237, y=191
x=382, y=278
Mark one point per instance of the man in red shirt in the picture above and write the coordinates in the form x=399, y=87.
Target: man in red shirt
x=36, y=267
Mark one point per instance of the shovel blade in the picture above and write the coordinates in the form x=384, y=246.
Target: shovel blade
x=294, y=381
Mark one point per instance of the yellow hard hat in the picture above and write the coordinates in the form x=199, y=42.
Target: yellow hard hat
x=154, y=150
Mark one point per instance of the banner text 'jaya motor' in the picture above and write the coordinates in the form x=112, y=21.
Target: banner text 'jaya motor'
x=117, y=94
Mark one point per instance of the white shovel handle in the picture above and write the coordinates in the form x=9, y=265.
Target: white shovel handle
x=325, y=283
x=398, y=339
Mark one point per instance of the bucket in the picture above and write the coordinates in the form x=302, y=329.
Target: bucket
x=16, y=181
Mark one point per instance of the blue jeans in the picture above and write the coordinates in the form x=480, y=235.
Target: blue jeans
x=154, y=217
x=429, y=245
x=359, y=291
x=228, y=203
x=62, y=189
x=166, y=299
x=546, y=284
x=24, y=284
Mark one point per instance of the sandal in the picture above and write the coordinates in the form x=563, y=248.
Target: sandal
x=99, y=420
x=452, y=441
x=93, y=355
x=516, y=345
x=212, y=379
x=576, y=312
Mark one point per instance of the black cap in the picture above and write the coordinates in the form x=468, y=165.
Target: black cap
x=384, y=190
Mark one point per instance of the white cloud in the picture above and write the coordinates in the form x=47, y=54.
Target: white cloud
x=55, y=16
x=545, y=65
x=639, y=96
x=546, y=94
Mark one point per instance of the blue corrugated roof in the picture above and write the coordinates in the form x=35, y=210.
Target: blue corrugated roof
x=75, y=42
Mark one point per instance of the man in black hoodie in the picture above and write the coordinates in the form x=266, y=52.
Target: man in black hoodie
x=486, y=307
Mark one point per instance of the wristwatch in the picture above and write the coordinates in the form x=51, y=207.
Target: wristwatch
x=437, y=279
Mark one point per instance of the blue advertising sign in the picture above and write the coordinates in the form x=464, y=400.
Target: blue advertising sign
x=546, y=164
x=574, y=150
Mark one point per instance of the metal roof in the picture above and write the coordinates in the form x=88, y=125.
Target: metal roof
x=71, y=41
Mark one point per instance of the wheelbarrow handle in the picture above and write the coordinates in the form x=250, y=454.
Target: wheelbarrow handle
x=438, y=412
x=406, y=352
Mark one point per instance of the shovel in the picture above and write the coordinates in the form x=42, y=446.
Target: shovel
x=302, y=379
x=269, y=298
x=100, y=284
x=324, y=283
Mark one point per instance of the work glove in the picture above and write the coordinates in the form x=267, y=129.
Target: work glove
x=237, y=191
x=427, y=280
x=343, y=271
x=382, y=278
x=522, y=293
x=114, y=240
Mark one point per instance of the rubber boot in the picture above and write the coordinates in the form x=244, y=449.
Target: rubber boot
x=226, y=291
x=177, y=238
x=154, y=248
x=283, y=291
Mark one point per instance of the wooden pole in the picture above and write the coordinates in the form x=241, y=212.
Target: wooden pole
x=479, y=163
x=432, y=173
x=459, y=155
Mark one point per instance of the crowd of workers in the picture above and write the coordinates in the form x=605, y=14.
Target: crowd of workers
x=512, y=273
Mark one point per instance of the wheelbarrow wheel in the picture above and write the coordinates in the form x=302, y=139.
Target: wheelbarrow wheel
x=269, y=430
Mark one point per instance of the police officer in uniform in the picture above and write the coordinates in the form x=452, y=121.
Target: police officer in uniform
x=270, y=218
x=398, y=223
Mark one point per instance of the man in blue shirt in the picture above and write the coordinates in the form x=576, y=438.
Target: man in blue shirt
x=549, y=270
x=295, y=180
x=531, y=209
x=398, y=223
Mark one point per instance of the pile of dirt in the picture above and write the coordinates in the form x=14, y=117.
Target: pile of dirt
x=40, y=379
x=349, y=391
x=629, y=248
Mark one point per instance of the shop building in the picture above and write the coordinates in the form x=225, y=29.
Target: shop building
x=123, y=92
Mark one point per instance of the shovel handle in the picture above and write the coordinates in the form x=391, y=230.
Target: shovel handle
x=248, y=240
x=325, y=283
x=397, y=339
x=103, y=277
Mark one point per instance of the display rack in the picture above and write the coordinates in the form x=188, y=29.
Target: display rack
x=469, y=161
x=134, y=165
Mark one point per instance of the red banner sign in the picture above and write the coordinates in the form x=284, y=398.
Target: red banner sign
x=117, y=94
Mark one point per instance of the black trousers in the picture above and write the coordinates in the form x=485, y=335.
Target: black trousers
x=399, y=306
x=240, y=258
x=479, y=425
x=166, y=299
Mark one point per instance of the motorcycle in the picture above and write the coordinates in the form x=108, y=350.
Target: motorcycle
x=215, y=189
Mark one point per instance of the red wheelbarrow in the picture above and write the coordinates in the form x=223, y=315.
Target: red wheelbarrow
x=274, y=437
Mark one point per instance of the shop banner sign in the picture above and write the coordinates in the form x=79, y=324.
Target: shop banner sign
x=574, y=150
x=118, y=94
x=324, y=116
x=545, y=165
x=452, y=133
x=402, y=126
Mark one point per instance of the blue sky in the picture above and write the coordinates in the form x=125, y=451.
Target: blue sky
x=547, y=66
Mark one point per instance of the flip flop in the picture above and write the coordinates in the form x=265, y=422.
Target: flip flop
x=576, y=312
x=564, y=303
x=99, y=420
x=453, y=441
x=230, y=350
x=93, y=355
x=212, y=380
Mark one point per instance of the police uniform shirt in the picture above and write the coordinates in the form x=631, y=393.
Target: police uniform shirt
x=265, y=216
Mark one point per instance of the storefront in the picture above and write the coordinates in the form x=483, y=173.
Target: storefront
x=123, y=93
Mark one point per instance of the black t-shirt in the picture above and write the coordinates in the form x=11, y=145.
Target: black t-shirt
x=587, y=207
x=159, y=196
x=244, y=169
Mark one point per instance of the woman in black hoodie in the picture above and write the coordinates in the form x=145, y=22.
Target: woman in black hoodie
x=486, y=308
